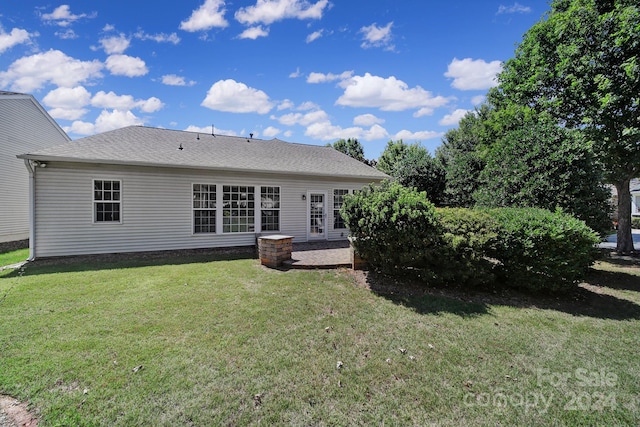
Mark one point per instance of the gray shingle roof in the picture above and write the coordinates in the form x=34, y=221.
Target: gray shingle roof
x=139, y=145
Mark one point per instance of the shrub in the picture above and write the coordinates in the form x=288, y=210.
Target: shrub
x=635, y=222
x=393, y=227
x=469, y=238
x=542, y=250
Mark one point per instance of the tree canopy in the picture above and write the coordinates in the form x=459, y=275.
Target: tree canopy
x=350, y=147
x=580, y=65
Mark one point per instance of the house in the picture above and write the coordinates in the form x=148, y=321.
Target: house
x=634, y=189
x=146, y=189
x=24, y=126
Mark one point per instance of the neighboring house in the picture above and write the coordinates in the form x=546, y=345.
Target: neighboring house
x=634, y=189
x=146, y=189
x=635, y=197
x=24, y=127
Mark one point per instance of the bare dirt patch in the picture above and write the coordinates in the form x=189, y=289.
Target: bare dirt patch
x=15, y=414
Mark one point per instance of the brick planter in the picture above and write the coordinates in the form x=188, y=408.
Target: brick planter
x=357, y=262
x=274, y=250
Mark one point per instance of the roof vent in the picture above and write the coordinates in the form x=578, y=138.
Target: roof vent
x=180, y=147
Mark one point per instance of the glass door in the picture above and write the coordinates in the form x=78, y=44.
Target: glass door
x=317, y=216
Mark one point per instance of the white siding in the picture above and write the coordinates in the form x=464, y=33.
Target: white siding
x=24, y=127
x=156, y=209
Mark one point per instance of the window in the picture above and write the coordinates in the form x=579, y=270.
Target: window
x=338, y=199
x=106, y=200
x=204, y=208
x=238, y=209
x=270, y=208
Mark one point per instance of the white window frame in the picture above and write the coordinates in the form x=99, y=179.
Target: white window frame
x=333, y=205
x=95, y=202
x=277, y=209
x=209, y=209
x=251, y=228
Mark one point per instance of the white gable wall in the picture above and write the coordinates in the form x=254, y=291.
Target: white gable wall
x=24, y=127
x=157, y=208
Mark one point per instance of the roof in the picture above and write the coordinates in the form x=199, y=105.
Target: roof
x=146, y=146
x=5, y=95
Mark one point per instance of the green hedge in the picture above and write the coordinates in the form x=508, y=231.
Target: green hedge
x=542, y=250
x=469, y=239
x=393, y=227
x=398, y=230
x=635, y=222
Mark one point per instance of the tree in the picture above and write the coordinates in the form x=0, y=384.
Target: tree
x=350, y=147
x=412, y=166
x=417, y=169
x=459, y=156
x=393, y=152
x=544, y=165
x=580, y=64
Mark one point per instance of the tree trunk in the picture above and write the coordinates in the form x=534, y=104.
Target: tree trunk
x=624, y=239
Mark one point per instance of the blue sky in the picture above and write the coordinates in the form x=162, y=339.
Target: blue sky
x=303, y=71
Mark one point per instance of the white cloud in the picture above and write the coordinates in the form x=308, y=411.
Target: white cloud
x=417, y=136
x=367, y=120
x=15, y=37
x=254, y=32
x=209, y=15
x=234, y=97
x=305, y=119
x=453, y=118
x=314, y=36
x=424, y=111
x=67, y=113
x=269, y=11
x=295, y=74
x=67, y=34
x=324, y=78
x=287, y=104
x=150, y=105
x=106, y=121
x=308, y=105
x=375, y=36
x=325, y=131
x=159, y=38
x=30, y=73
x=478, y=99
x=473, y=74
x=125, y=65
x=125, y=102
x=115, y=44
x=80, y=128
x=67, y=98
x=514, y=8
x=174, y=80
x=116, y=119
x=388, y=94
x=270, y=132
x=206, y=130
x=63, y=17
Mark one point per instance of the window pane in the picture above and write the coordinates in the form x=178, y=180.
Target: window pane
x=204, y=205
x=108, y=191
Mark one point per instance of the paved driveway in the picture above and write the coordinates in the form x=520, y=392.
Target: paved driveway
x=610, y=242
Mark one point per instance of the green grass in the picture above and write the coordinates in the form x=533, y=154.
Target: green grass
x=13, y=257
x=229, y=342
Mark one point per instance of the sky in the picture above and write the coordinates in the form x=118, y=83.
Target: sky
x=304, y=71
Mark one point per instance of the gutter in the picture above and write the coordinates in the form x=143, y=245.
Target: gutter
x=32, y=209
x=49, y=158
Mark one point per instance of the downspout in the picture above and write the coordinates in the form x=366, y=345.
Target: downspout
x=32, y=209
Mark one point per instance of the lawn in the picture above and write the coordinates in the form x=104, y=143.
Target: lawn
x=204, y=340
x=13, y=257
